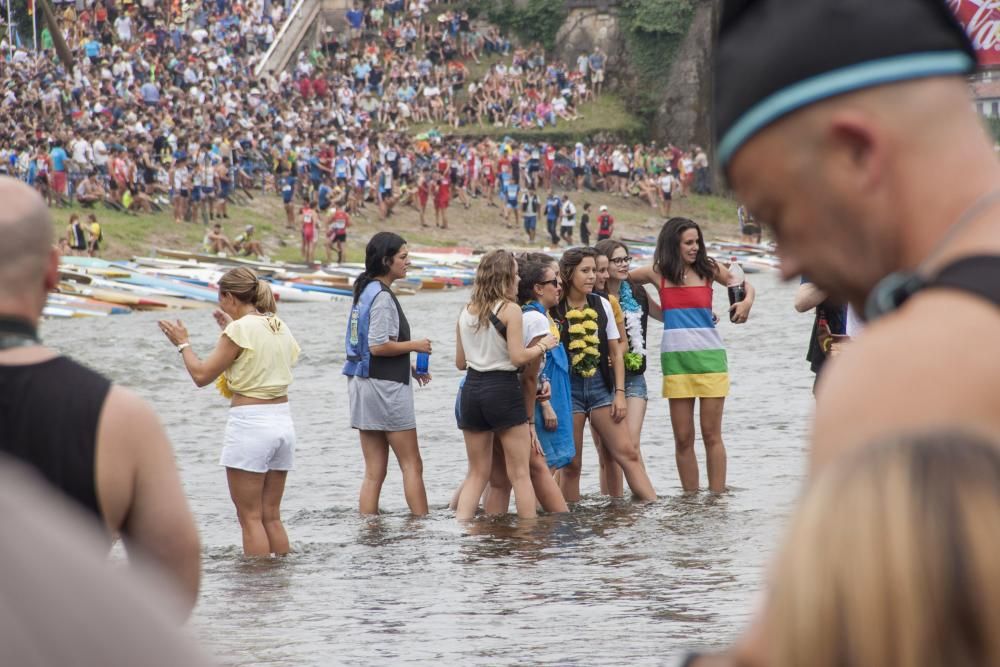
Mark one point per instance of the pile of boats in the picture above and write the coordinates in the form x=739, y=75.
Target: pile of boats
x=175, y=279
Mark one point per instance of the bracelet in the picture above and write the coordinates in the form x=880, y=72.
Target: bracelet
x=182, y=347
x=531, y=423
x=621, y=390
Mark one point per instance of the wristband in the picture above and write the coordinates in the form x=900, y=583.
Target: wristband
x=182, y=347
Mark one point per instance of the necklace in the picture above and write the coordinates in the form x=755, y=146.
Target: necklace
x=17, y=332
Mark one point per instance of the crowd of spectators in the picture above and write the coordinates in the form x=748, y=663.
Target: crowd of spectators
x=163, y=109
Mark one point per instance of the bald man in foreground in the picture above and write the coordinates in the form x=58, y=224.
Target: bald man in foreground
x=100, y=444
x=847, y=127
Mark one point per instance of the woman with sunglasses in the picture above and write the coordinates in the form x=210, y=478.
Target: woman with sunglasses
x=635, y=308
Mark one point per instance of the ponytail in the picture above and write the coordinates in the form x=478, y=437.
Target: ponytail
x=264, y=299
x=379, y=255
x=245, y=286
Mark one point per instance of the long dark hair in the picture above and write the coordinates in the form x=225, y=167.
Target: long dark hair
x=571, y=259
x=667, y=257
x=530, y=273
x=379, y=253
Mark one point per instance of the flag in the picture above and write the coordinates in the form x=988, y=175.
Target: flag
x=31, y=7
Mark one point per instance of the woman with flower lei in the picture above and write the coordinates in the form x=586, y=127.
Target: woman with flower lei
x=636, y=310
x=597, y=377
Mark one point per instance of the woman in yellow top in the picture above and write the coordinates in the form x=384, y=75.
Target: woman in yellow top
x=252, y=364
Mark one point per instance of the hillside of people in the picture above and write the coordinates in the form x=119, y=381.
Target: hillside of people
x=412, y=117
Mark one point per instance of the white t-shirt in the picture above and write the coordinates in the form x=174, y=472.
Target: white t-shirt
x=667, y=183
x=569, y=214
x=534, y=325
x=612, y=328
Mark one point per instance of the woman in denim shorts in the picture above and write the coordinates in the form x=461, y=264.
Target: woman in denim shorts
x=636, y=310
x=601, y=395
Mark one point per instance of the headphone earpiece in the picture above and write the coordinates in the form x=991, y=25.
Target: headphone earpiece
x=891, y=293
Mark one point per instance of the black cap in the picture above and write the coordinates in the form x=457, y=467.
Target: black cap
x=774, y=57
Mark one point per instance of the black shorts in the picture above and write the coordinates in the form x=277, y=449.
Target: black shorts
x=491, y=401
x=578, y=171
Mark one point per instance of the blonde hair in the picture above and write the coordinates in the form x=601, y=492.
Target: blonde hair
x=245, y=286
x=494, y=283
x=892, y=561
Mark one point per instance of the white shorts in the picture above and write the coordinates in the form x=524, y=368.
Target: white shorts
x=259, y=438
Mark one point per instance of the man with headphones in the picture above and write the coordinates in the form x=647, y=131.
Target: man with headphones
x=848, y=128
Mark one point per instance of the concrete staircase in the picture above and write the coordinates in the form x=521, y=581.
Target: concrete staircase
x=302, y=31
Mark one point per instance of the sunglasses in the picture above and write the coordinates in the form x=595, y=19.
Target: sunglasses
x=554, y=282
x=621, y=261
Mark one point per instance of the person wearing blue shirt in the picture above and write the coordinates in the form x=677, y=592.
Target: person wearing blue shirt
x=93, y=50
x=287, y=196
x=323, y=195
x=341, y=169
x=150, y=93
x=58, y=181
x=510, y=191
x=356, y=19
x=553, y=205
x=315, y=173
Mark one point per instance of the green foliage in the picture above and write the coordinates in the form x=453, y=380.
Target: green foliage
x=993, y=127
x=654, y=30
x=22, y=21
x=538, y=21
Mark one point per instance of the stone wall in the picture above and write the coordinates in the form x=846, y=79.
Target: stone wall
x=684, y=114
x=683, y=111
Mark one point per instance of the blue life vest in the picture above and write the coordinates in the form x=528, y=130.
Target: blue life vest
x=360, y=362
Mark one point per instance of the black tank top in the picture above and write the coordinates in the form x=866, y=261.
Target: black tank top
x=978, y=275
x=49, y=414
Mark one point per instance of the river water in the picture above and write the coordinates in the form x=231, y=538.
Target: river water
x=610, y=584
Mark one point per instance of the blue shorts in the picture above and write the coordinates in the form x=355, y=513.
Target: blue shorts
x=512, y=203
x=196, y=193
x=589, y=394
x=207, y=193
x=635, y=386
x=224, y=190
x=530, y=222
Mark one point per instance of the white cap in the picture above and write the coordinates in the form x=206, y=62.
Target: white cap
x=604, y=208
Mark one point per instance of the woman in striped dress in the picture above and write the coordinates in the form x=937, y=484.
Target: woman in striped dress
x=692, y=354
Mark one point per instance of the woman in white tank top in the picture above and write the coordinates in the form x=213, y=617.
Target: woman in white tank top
x=489, y=345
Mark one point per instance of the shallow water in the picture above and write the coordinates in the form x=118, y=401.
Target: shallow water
x=612, y=583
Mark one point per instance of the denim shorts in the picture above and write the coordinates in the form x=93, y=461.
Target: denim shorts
x=635, y=386
x=589, y=393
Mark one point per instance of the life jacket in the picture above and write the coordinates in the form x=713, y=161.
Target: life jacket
x=360, y=362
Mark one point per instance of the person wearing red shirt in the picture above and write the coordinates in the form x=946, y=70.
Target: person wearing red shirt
x=605, y=224
x=308, y=231
x=336, y=234
x=442, y=197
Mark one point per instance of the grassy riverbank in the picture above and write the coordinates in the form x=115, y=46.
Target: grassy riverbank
x=479, y=227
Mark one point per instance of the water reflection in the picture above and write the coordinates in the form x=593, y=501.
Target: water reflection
x=611, y=583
